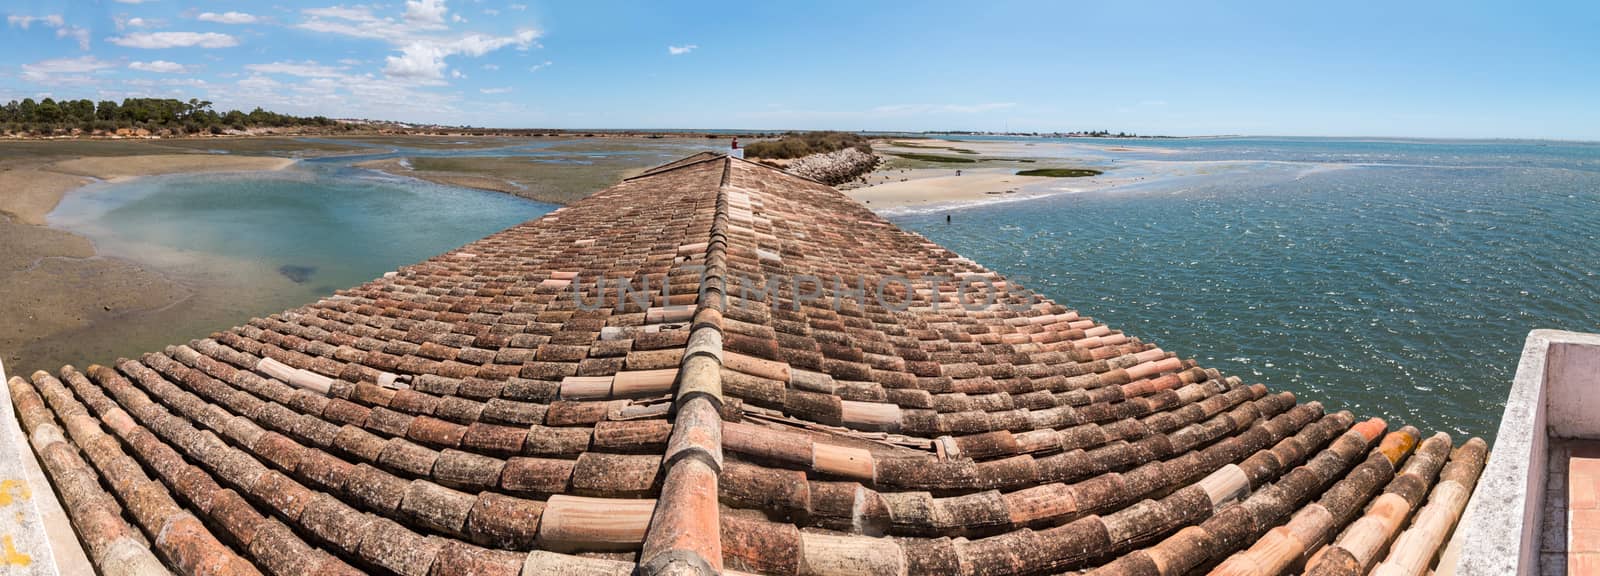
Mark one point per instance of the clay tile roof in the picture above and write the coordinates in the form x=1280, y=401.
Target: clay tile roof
x=480, y=413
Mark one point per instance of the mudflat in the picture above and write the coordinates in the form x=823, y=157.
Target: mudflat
x=114, y=167
x=564, y=173
x=52, y=282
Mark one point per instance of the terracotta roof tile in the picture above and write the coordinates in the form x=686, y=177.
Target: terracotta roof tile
x=477, y=413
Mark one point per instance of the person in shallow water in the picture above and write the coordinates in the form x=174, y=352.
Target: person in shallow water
x=946, y=218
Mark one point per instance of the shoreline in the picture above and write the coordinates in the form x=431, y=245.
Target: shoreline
x=397, y=167
x=905, y=182
x=932, y=189
x=56, y=282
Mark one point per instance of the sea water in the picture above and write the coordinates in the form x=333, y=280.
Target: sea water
x=1392, y=278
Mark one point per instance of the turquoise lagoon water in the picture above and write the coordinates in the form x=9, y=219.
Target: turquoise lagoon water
x=1393, y=278
x=250, y=244
x=235, y=246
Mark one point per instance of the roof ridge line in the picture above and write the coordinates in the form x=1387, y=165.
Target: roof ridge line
x=676, y=164
x=685, y=531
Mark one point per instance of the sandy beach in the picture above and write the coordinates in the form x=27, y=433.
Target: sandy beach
x=52, y=280
x=987, y=172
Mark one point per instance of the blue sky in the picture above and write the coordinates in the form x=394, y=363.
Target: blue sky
x=1429, y=69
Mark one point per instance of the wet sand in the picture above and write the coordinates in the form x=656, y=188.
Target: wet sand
x=397, y=167
x=52, y=282
x=902, y=184
x=114, y=167
x=572, y=171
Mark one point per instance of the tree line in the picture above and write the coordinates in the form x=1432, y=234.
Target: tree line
x=155, y=115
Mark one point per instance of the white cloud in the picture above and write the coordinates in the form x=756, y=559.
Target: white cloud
x=490, y=12
x=23, y=22
x=518, y=7
x=76, y=33
x=51, y=21
x=424, y=60
x=64, y=70
x=356, y=13
x=360, y=22
x=350, y=95
x=156, y=40
x=123, y=21
x=681, y=50
x=262, y=84
x=158, y=66
x=419, y=60
x=491, y=67
x=425, y=11
x=133, y=1
x=227, y=17
x=306, y=69
x=494, y=90
x=540, y=66
x=417, y=34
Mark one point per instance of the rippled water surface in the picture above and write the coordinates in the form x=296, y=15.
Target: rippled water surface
x=1395, y=279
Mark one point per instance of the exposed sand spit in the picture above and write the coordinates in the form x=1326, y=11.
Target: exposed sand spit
x=28, y=192
x=107, y=168
x=922, y=188
x=396, y=167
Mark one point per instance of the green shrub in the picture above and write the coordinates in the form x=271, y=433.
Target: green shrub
x=801, y=144
x=1061, y=172
x=936, y=158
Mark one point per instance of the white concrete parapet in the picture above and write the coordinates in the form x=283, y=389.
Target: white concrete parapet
x=1556, y=394
x=35, y=536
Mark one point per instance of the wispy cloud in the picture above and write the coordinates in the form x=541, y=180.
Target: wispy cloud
x=24, y=22
x=158, y=66
x=59, y=71
x=227, y=17
x=919, y=109
x=540, y=66
x=158, y=40
x=360, y=22
x=51, y=21
x=134, y=1
x=350, y=95
x=495, y=90
x=306, y=69
x=681, y=50
x=75, y=33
